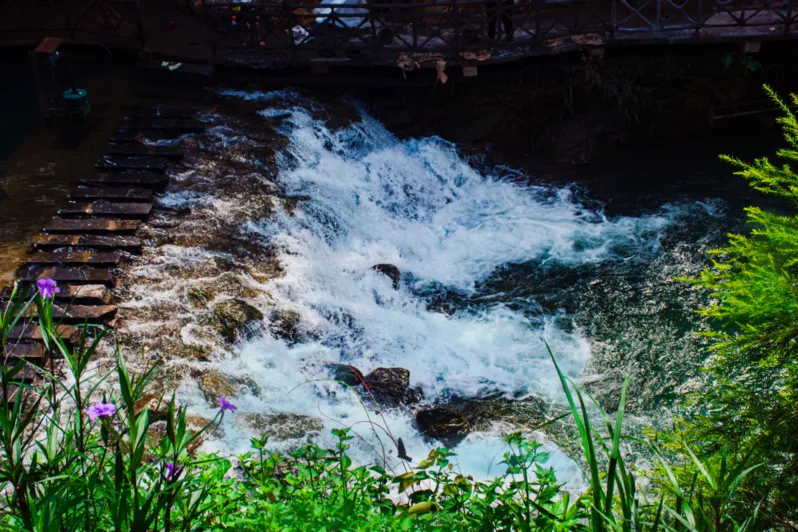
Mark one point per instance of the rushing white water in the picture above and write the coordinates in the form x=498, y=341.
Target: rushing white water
x=418, y=205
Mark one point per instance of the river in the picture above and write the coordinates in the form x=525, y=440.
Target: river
x=284, y=208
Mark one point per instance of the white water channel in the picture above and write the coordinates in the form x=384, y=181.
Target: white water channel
x=418, y=205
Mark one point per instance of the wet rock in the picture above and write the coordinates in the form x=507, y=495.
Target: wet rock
x=443, y=424
x=444, y=307
x=390, y=387
x=157, y=407
x=349, y=375
x=391, y=271
x=232, y=284
x=231, y=318
x=279, y=427
x=167, y=379
x=394, y=380
x=284, y=323
x=484, y=412
x=215, y=385
x=197, y=297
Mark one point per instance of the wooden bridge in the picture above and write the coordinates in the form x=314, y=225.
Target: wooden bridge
x=286, y=33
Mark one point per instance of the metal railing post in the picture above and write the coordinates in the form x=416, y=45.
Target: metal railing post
x=613, y=18
x=456, y=20
x=700, y=18
x=658, y=24
x=376, y=45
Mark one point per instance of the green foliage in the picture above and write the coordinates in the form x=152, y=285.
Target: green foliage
x=75, y=458
x=749, y=404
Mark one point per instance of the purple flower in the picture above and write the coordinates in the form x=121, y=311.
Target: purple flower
x=100, y=410
x=47, y=288
x=172, y=470
x=227, y=405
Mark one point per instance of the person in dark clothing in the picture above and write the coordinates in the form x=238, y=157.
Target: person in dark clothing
x=500, y=9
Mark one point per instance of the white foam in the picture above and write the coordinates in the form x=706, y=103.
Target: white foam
x=418, y=205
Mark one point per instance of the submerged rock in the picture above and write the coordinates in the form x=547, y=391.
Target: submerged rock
x=349, y=375
x=443, y=424
x=215, y=385
x=391, y=271
x=278, y=427
x=232, y=317
x=197, y=297
x=285, y=324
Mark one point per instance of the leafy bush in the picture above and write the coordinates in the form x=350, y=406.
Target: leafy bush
x=749, y=404
x=73, y=458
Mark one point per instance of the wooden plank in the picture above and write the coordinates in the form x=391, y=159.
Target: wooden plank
x=74, y=257
x=111, y=193
x=84, y=294
x=30, y=331
x=87, y=241
x=11, y=394
x=187, y=125
x=150, y=164
x=106, y=208
x=71, y=275
x=25, y=376
x=175, y=152
x=33, y=352
x=138, y=179
x=82, y=313
x=98, y=225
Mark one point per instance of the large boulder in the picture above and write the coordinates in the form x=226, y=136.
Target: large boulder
x=232, y=317
x=391, y=271
x=391, y=387
x=484, y=412
x=443, y=424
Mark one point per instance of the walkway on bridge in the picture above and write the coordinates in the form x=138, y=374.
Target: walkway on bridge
x=279, y=34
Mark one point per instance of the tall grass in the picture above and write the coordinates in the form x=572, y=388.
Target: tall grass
x=79, y=452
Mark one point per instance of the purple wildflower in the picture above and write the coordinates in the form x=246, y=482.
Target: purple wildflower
x=227, y=405
x=47, y=288
x=172, y=470
x=100, y=410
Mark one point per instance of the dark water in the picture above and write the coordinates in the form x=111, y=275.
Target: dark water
x=639, y=318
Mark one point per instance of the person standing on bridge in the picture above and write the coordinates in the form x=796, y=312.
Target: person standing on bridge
x=500, y=9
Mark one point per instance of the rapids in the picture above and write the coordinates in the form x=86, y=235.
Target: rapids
x=514, y=262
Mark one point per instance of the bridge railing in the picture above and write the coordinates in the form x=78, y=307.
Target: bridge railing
x=110, y=21
x=378, y=31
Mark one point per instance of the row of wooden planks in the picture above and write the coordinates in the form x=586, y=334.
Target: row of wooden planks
x=94, y=233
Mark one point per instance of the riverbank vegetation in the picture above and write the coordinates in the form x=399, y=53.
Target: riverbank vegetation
x=78, y=455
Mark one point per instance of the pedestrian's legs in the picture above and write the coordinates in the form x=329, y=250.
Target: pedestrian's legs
x=493, y=18
x=507, y=20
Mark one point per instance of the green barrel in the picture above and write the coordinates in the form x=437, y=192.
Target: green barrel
x=77, y=104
